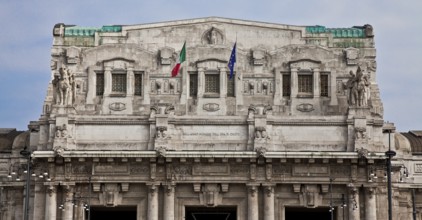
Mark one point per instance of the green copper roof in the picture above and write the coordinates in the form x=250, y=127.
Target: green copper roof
x=77, y=31
x=337, y=32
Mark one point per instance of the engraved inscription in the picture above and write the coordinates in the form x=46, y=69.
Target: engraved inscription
x=282, y=169
x=303, y=170
x=340, y=171
x=111, y=168
x=211, y=169
x=242, y=169
x=139, y=169
x=418, y=168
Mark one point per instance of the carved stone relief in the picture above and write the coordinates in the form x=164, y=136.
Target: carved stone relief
x=210, y=195
x=258, y=57
x=213, y=36
x=165, y=86
x=117, y=106
x=352, y=55
x=211, y=107
x=361, y=139
x=305, y=107
x=166, y=55
x=110, y=195
x=161, y=132
x=310, y=196
x=61, y=131
x=59, y=150
x=258, y=86
x=72, y=55
x=261, y=132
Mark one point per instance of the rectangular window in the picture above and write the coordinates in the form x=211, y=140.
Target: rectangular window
x=118, y=83
x=100, y=84
x=212, y=83
x=230, y=86
x=305, y=84
x=138, y=84
x=193, y=85
x=324, y=85
x=286, y=85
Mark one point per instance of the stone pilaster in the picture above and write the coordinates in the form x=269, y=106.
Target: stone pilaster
x=253, y=213
x=268, y=202
x=51, y=203
x=107, y=81
x=333, y=89
x=294, y=83
x=317, y=85
x=370, y=204
x=130, y=82
x=152, y=202
x=223, y=82
x=201, y=82
x=169, y=202
x=354, y=212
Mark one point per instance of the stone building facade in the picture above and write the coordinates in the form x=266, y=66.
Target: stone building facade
x=297, y=133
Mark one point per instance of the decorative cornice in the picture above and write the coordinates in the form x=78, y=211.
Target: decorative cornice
x=309, y=122
x=112, y=121
x=210, y=154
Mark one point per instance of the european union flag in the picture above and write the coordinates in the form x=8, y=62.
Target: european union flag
x=232, y=61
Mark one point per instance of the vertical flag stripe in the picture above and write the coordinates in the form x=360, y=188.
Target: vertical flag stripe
x=232, y=61
x=180, y=60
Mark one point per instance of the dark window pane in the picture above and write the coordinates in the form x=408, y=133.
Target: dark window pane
x=324, y=85
x=193, y=85
x=118, y=83
x=305, y=84
x=212, y=83
x=286, y=85
x=138, y=84
x=100, y=84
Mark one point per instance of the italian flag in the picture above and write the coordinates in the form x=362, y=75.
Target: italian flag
x=182, y=58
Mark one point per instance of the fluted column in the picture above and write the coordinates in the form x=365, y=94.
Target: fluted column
x=152, y=202
x=169, y=203
x=253, y=202
x=370, y=204
x=269, y=203
x=354, y=212
x=67, y=213
x=51, y=203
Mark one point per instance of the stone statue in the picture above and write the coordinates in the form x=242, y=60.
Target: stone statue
x=213, y=36
x=65, y=87
x=358, y=89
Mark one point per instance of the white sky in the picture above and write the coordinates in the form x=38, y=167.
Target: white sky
x=26, y=37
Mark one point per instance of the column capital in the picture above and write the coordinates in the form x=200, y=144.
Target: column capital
x=152, y=187
x=51, y=189
x=170, y=188
x=371, y=191
x=252, y=189
x=269, y=190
